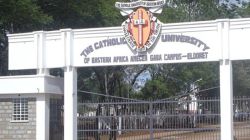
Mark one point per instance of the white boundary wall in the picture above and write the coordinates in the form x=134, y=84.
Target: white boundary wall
x=220, y=40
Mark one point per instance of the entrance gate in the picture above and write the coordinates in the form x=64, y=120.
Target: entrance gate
x=220, y=40
x=128, y=119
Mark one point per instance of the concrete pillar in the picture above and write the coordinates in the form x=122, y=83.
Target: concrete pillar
x=70, y=104
x=226, y=100
x=42, y=117
x=226, y=84
x=70, y=87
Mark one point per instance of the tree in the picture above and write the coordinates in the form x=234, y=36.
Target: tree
x=22, y=16
x=18, y=16
x=71, y=13
x=244, y=11
x=241, y=78
x=110, y=16
x=81, y=13
x=154, y=89
x=174, y=79
x=197, y=10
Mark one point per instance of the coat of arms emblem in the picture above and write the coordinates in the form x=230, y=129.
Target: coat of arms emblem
x=141, y=29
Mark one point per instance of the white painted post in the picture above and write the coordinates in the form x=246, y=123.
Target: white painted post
x=70, y=104
x=42, y=117
x=226, y=86
x=70, y=87
x=226, y=100
x=42, y=100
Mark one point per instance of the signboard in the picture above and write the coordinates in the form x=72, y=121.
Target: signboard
x=170, y=48
x=141, y=29
x=143, y=42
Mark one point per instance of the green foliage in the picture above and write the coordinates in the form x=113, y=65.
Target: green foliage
x=244, y=11
x=22, y=16
x=167, y=80
x=18, y=16
x=71, y=13
x=241, y=77
x=155, y=89
x=172, y=79
x=81, y=13
x=197, y=10
x=105, y=80
x=110, y=16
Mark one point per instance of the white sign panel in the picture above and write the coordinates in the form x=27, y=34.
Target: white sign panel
x=171, y=47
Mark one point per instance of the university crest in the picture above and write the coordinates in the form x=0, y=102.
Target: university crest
x=141, y=29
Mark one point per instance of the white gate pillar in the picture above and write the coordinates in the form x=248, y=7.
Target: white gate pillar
x=226, y=84
x=42, y=117
x=70, y=87
x=70, y=103
x=226, y=100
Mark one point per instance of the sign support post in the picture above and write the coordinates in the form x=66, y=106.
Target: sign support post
x=70, y=104
x=42, y=120
x=226, y=84
x=70, y=88
x=226, y=100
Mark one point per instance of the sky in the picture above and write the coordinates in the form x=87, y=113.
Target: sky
x=235, y=1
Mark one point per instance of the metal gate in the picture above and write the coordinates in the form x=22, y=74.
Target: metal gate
x=171, y=119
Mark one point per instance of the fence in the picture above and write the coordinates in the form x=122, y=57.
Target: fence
x=123, y=119
x=241, y=107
